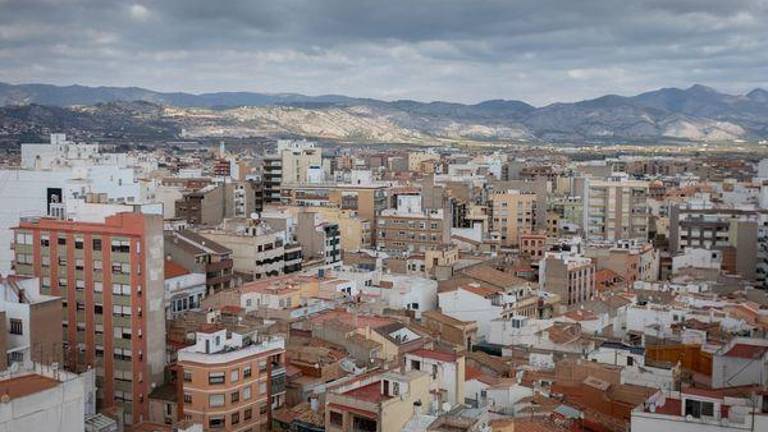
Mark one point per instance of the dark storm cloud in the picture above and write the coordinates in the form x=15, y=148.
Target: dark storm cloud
x=540, y=51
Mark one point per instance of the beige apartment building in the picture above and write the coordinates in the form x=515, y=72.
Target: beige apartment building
x=513, y=214
x=380, y=402
x=409, y=228
x=615, y=209
x=231, y=381
x=570, y=276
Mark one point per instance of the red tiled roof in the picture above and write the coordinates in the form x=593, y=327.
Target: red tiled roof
x=368, y=393
x=173, y=270
x=747, y=351
x=471, y=373
x=26, y=385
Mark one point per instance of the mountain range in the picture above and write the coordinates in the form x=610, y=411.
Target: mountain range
x=698, y=113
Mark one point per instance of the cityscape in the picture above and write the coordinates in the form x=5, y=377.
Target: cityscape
x=192, y=242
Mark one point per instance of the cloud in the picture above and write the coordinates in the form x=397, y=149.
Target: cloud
x=139, y=12
x=535, y=50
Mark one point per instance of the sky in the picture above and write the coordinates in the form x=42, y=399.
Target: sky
x=538, y=51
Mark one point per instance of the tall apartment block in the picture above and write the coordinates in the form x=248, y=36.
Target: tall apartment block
x=231, y=380
x=514, y=213
x=110, y=276
x=295, y=162
x=615, y=209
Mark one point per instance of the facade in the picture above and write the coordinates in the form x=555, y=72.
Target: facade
x=111, y=279
x=31, y=326
x=513, y=214
x=365, y=201
x=184, y=290
x=299, y=159
x=615, y=209
x=37, y=402
x=201, y=255
x=318, y=239
x=740, y=234
x=409, y=228
x=231, y=381
x=380, y=402
x=569, y=276
x=257, y=249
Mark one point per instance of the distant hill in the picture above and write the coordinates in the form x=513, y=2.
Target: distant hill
x=697, y=113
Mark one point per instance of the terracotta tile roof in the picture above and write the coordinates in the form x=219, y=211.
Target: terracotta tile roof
x=435, y=355
x=172, y=270
x=471, y=373
x=368, y=393
x=26, y=385
x=482, y=291
x=747, y=351
x=490, y=275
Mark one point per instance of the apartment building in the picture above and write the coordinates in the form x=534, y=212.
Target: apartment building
x=615, y=209
x=365, y=201
x=740, y=233
x=272, y=177
x=632, y=260
x=258, y=249
x=30, y=324
x=378, y=402
x=570, y=276
x=513, y=214
x=213, y=203
x=319, y=239
x=410, y=228
x=110, y=276
x=199, y=254
x=231, y=379
x=299, y=158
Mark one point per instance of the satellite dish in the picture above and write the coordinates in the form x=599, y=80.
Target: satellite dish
x=446, y=406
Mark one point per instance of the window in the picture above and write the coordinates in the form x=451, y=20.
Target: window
x=395, y=388
x=187, y=376
x=216, y=378
x=234, y=375
x=121, y=246
x=78, y=243
x=262, y=388
x=630, y=361
x=216, y=422
x=247, y=414
x=97, y=244
x=234, y=397
x=235, y=419
x=363, y=424
x=247, y=372
x=187, y=398
x=216, y=400
x=263, y=409
x=62, y=241
x=699, y=409
x=62, y=261
x=247, y=393
x=415, y=365
x=337, y=419
x=79, y=264
x=16, y=327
